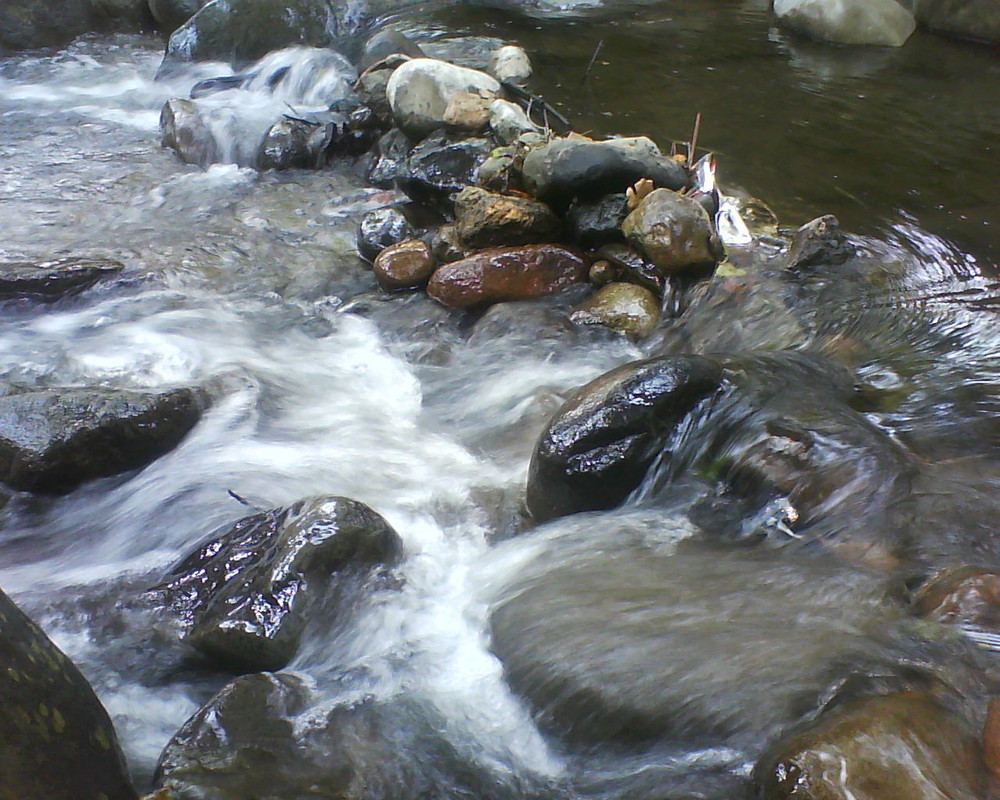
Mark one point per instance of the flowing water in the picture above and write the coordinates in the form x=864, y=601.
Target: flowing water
x=248, y=285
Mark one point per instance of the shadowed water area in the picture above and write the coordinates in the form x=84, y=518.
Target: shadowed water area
x=654, y=650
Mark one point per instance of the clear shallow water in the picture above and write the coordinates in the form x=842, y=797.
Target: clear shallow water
x=246, y=284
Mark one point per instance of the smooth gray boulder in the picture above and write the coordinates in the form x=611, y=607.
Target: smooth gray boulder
x=848, y=22
x=53, y=440
x=421, y=90
x=56, y=740
x=244, y=594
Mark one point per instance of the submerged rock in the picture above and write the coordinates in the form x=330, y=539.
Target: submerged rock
x=188, y=133
x=405, y=265
x=507, y=273
x=623, y=307
x=965, y=596
x=898, y=747
x=819, y=243
x=57, y=740
x=245, y=593
x=673, y=231
x=852, y=22
x=487, y=219
x=971, y=19
x=602, y=440
x=381, y=228
x=50, y=280
x=293, y=142
x=421, y=90
x=577, y=167
x=51, y=441
x=171, y=14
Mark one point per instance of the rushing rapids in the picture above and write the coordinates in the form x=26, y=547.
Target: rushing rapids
x=663, y=643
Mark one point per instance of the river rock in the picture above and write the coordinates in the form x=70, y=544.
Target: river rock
x=187, y=132
x=498, y=173
x=623, y=307
x=405, y=265
x=819, y=243
x=447, y=245
x=57, y=740
x=295, y=143
x=50, y=280
x=171, y=14
x=467, y=111
x=509, y=122
x=965, y=596
x=507, y=273
x=392, y=149
x=420, y=91
x=245, y=593
x=599, y=222
x=631, y=267
x=51, y=441
x=971, y=19
x=439, y=167
x=850, y=22
x=28, y=24
x=510, y=64
x=381, y=228
x=672, y=231
x=897, y=747
x=370, y=89
x=386, y=43
x=486, y=219
x=599, y=445
x=578, y=167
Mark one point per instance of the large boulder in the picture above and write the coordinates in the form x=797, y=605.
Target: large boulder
x=51, y=280
x=51, y=441
x=245, y=594
x=487, y=219
x=38, y=23
x=897, y=747
x=849, y=22
x=171, y=14
x=56, y=740
x=971, y=19
x=507, y=273
x=578, y=167
x=673, y=231
x=603, y=439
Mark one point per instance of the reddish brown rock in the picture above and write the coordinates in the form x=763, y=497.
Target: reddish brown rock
x=507, y=273
x=404, y=266
x=968, y=595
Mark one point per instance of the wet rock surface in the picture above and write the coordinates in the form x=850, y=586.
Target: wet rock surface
x=26, y=24
x=600, y=443
x=245, y=594
x=848, y=22
x=623, y=307
x=406, y=265
x=599, y=222
x=486, y=219
x=507, y=273
x=819, y=243
x=439, y=167
x=672, y=231
x=53, y=441
x=962, y=596
x=53, y=279
x=57, y=740
x=878, y=748
x=381, y=228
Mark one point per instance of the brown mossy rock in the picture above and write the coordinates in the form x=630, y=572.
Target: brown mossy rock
x=896, y=747
x=623, y=307
x=488, y=219
x=244, y=594
x=56, y=740
x=51, y=441
x=405, y=265
x=673, y=231
x=51, y=280
x=507, y=273
x=962, y=596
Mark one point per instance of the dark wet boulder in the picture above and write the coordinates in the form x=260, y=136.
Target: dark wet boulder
x=439, y=167
x=819, y=243
x=577, y=167
x=371, y=88
x=599, y=222
x=421, y=91
x=392, y=150
x=632, y=267
x=385, y=43
x=613, y=635
x=244, y=594
x=488, y=219
x=623, y=307
x=406, y=265
x=51, y=441
x=267, y=732
x=604, y=438
x=295, y=143
x=897, y=747
x=171, y=14
x=50, y=280
x=848, y=22
x=507, y=273
x=56, y=740
x=969, y=19
x=673, y=231
x=27, y=24
x=381, y=228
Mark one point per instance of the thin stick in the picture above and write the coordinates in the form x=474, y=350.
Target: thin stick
x=694, y=140
x=590, y=64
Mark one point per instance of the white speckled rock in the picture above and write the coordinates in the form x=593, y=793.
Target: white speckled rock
x=510, y=64
x=420, y=91
x=851, y=22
